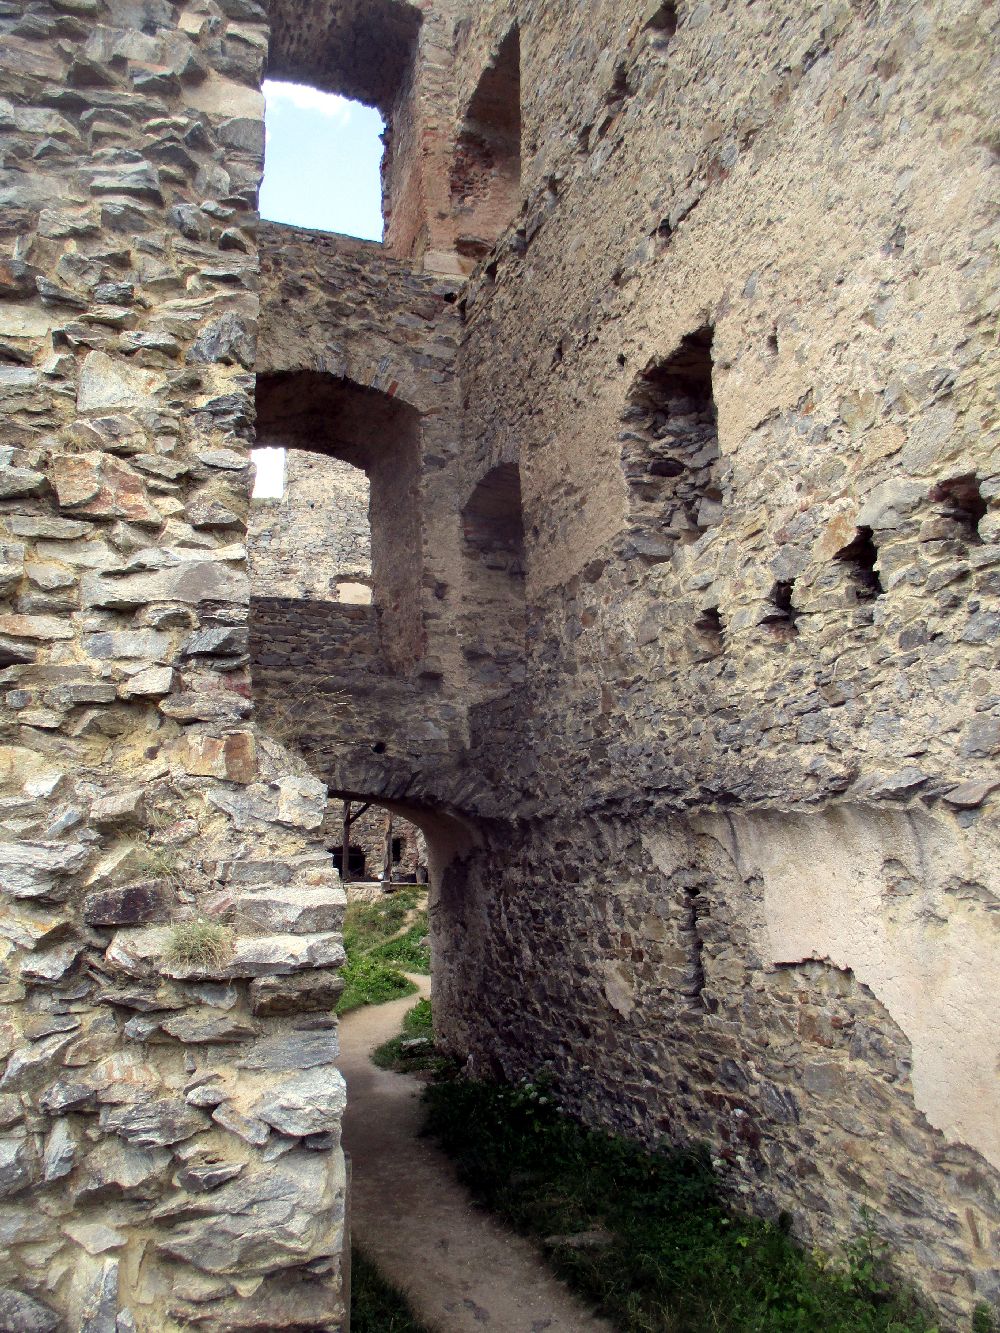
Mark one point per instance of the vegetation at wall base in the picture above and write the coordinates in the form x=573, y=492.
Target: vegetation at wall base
x=376, y=1306
x=413, y=1051
x=381, y=938
x=646, y=1237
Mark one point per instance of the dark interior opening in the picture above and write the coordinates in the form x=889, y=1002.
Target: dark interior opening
x=861, y=556
x=356, y=863
x=671, y=447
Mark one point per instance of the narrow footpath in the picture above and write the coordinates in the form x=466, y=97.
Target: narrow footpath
x=461, y=1271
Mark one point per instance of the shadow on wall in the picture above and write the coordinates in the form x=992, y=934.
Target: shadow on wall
x=486, y=170
x=494, y=608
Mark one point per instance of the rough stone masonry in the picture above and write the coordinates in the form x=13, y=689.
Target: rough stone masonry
x=675, y=386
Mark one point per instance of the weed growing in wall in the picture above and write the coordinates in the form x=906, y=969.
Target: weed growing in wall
x=199, y=944
x=646, y=1236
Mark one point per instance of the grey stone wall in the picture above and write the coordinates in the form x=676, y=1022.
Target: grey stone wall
x=735, y=801
x=169, y=1118
x=314, y=540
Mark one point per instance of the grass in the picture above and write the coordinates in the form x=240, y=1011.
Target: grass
x=645, y=1237
x=413, y=1051
x=199, y=944
x=377, y=1307
x=381, y=938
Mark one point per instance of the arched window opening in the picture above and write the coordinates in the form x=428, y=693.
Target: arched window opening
x=670, y=448
x=322, y=161
x=493, y=547
x=324, y=415
x=313, y=539
x=486, y=171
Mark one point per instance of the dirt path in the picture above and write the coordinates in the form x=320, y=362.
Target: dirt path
x=460, y=1270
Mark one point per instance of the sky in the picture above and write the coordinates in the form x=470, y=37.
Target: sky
x=322, y=164
x=321, y=161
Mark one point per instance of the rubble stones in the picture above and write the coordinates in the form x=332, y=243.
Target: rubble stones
x=23, y=1314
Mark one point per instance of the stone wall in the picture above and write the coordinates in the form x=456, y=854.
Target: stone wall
x=730, y=810
x=736, y=342
x=710, y=800
x=169, y=917
x=313, y=541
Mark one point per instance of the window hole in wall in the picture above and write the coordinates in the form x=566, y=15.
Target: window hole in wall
x=960, y=503
x=486, y=169
x=772, y=343
x=322, y=161
x=357, y=865
x=710, y=630
x=311, y=541
x=693, y=944
x=781, y=619
x=494, y=623
x=670, y=447
x=860, y=556
x=269, y=473
x=378, y=436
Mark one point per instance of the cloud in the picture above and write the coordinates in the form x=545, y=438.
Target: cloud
x=331, y=105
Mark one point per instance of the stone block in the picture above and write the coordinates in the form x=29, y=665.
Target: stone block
x=139, y=904
x=232, y=757
x=304, y=993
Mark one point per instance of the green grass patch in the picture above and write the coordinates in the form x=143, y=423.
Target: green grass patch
x=413, y=1051
x=370, y=981
x=382, y=939
x=645, y=1237
x=376, y=1306
x=409, y=950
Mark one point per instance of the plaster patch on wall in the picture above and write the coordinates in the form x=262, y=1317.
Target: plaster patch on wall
x=877, y=892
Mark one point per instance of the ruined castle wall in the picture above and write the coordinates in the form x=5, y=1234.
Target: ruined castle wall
x=757, y=733
x=169, y=917
x=314, y=540
x=362, y=324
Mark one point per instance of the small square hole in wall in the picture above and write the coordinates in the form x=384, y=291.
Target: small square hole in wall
x=781, y=619
x=960, y=502
x=663, y=20
x=709, y=628
x=860, y=556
